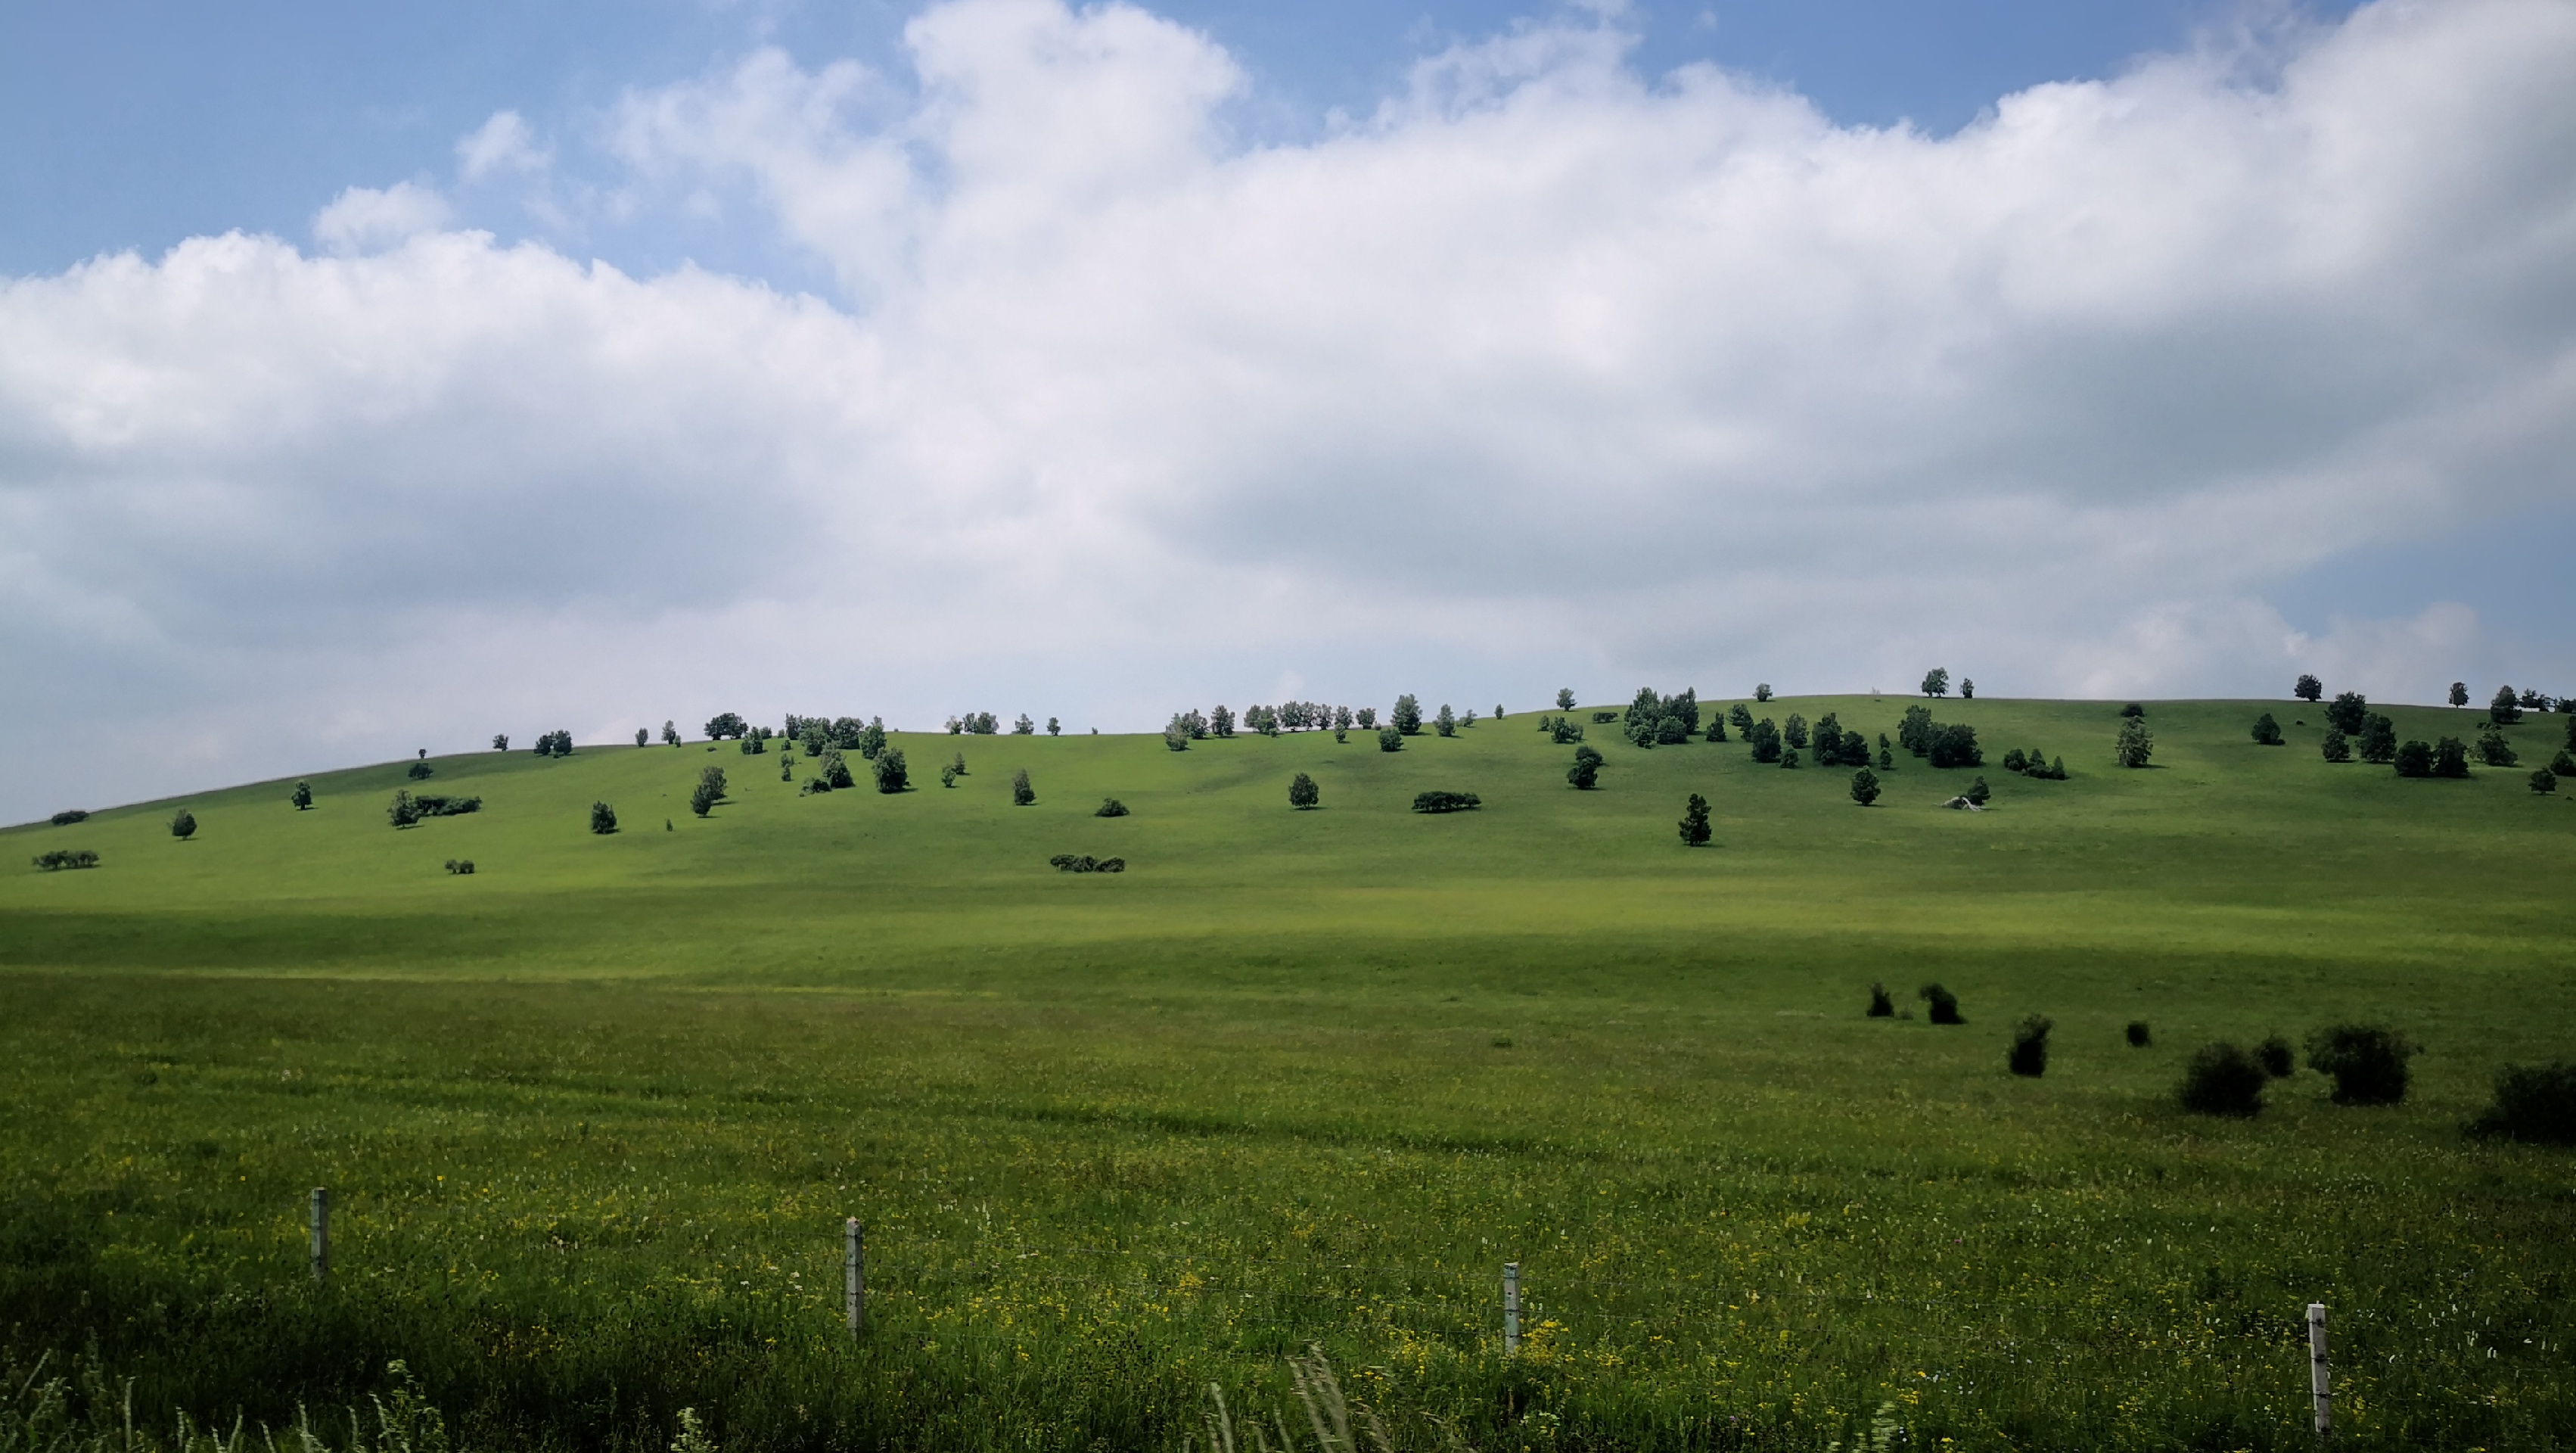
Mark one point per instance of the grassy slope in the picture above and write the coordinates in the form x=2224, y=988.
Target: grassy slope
x=1275, y=1039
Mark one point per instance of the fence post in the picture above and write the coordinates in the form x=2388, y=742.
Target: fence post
x=2317, y=1370
x=1511, y=1308
x=321, y=1233
x=855, y=1268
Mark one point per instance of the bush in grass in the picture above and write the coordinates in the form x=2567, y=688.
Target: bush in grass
x=2016, y=760
x=2028, y=1056
x=834, y=769
x=603, y=818
x=1447, y=722
x=813, y=787
x=418, y=770
x=1765, y=738
x=69, y=816
x=1740, y=717
x=1408, y=715
x=2564, y=764
x=2275, y=1057
x=2415, y=759
x=2535, y=1104
x=1303, y=793
x=436, y=804
x=1564, y=731
x=61, y=858
x=2367, y=1061
x=891, y=773
x=2378, y=744
x=1716, y=727
x=2222, y=1079
x=1086, y=863
x=402, y=811
x=1945, y=1005
x=463, y=866
x=1794, y=731
x=1389, y=739
x=2132, y=711
x=1110, y=807
x=2267, y=732
x=1864, y=787
x=1881, y=1005
x=2544, y=781
x=1954, y=744
x=2349, y=712
x=1438, y=801
x=2336, y=747
x=2450, y=758
x=2494, y=750
x=1586, y=771
x=2140, y=1036
x=2136, y=745
x=1979, y=793
x=1695, y=830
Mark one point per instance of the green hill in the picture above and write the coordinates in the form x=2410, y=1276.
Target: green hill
x=593, y=1113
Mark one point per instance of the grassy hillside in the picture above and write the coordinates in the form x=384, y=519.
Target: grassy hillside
x=593, y=1113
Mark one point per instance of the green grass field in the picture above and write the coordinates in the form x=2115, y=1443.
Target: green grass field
x=592, y=1116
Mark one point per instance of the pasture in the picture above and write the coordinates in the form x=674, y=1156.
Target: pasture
x=592, y=1115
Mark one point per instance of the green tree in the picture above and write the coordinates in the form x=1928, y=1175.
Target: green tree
x=2136, y=745
x=1886, y=760
x=2308, y=688
x=1389, y=739
x=1864, y=787
x=1936, y=682
x=2415, y=759
x=1176, y=734
x=2336, y=747
x=1979, y=793
x=603, y=818
x=2378, y=745
x=2267, y=732
x=1303, y=793
x=948, y=775
x=1022, y=794
x=1967, y=689
x=501, y=742
x=2349, y=712
x=835, y=770
x=1762, y=692
x=2544, y=781
x=2494, y=750
x=1694, y=825
x=1565, y=698
x=1408, y=715
x=670, y=734
x=892, y=776
x=2564, y=764
x=2450, y=758
x=1447, y=722
x=1054, y=728
x=1367, y=718
x=1586, y=771
x=725, y=724
x=402, y=811
x=2506, y=709
x=1766, y=741
x=1740, y=717
x=2459, y=694
x=1024, y=727
x=1795, y=730
x=1954, y=744
x=302, y=796
x=183, y=824
x=872, y=739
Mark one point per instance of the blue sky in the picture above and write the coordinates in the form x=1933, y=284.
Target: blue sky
x=613, y=363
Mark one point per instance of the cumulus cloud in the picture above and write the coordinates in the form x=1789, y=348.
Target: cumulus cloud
x=503, y=143
x=1546, y=371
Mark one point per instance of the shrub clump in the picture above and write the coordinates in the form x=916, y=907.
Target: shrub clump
x=2276, y=1058
x=1111, y=807
x=2336, y=747
x=1864, y=787
x=1586, y=771
x=709, y=791
x=1945, y=1005
x=460, y=866
x=1446, y=802
x=70, y=816
x=2139, y=1035
x=2535, y=1104
x=2222, y=1079
x=892, y=775
x=2367, y=1061
x=1086, y=863
x=2267, y=732
x=418, y=770
x=1389, y=739
x=603, y=818
x=1303, y=793
x=1022, y=794
x=183, y=824
x=61, y=858
x=1881, y=1006
x=2028, y=1056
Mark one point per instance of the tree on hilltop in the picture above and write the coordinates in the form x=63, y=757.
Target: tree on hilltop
x=2308, y=688
x=1565, y=698
x=1936, y=682
x=1447, y=722
x=2506, y=709
x=2348, y=713
x=1408, y=715
x=726, y=725
x=2459, y=693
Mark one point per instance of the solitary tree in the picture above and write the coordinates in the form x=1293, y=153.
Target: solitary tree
x=1408, y=715
x=670, y=734
x=1564, y=699
x=2267, y=732
x=892, y=777
x=2337, y=747
x=1586, y=771
x=302, y=796
x=1967, y=689
x=725, y=724
x=2135, y=745
x=603, y=818
x=501, y=742
x=183, y=825
x=1762, y=692
x=2506, y=709
x=1936, y=682
x=709, y=791
x=642, y=737
x=1302, y=792
x=2459, y=693
x=1864, y=787
x=2308, y=688
x=1054, y=728
x=1389, y=739
x=1447, y=722
x=1022, y=794
x=1694, y=825
x=2348, y=712
x=1024, y=727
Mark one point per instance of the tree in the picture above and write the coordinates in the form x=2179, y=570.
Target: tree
x=2308, y=688
x=1936, y=682
x=1954, y=744
x=417, y=770
x=1740, y=717
x=402, y=812
x=1762, y=692
x=1979, y=793
x=2378, y=744
x=1586, y=771
x=2133, y=709
x=2028, y=1056
x=834, y=769
x=2506, y=709
x=1886, y=760
x=2136, y=745
x=1967, y=689
x=2336, y=747
x=302, y=796
x=725, y=724
x=1024, y=727
x=891, y=774
x=1367, y=718
x=1498, y=711
x=2494, y=750
x=2450, y=758
x=1864, y=787
x=1022, y=794
x=1565, y=698
x=1447, y=722
x=872, y=739
x=1303, y=793
x=2544, y=781
x=2415, y=759
x=2267, y=732
x=1176, y=734
x=2459, y=693
x=2348, y=712
x=603, y=818
x=709, y=791
x=1408, y=715
x=2564, y=764
x=948, y=775
x=1054, y=728
x=1389, y=739
x=501, y=742
x=1789, y=759
x=1914, y=730
x=1694, y=825
x=1766, y=741
x=670, y=734
x=642, y=737
x=1795, y=730
x=959, y=765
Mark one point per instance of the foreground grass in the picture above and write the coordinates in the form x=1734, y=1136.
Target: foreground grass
x=593, y=1115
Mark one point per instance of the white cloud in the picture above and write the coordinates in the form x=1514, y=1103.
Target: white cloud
x=502, y=143
x=1545, y=372
x=366, y=219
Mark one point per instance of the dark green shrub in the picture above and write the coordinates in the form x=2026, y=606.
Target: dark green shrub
x=2221, y=1079
x=2378, y=744
x=1111, y=807
x=835, y=770
x=1303, y=793
x=603, y=818
x=2267, y=732
x=2495, y=751
x=2139, y=1035
x=1740, y=717
x=2544, y=781
x=1864, y=787
x=1794, y=731
x=2015, y=760
x=2348, y=713
x=1789, y=759
x=1085, y=863
x=402, y=811
x=2367, y=1061
x=1954, y=744
x=2132, y=711
x=1022, y=794
x=1979, y=793
x=433, y=804
x=62, y=858
x=1389, y=739
x=2415, y=759
x=1694, y=825
x=417, y=770
x=1765, y=739
x=2336, y=747
x=891, y=773
x=1762, y=692
x=2564, y=764
x=183, y=824
x=1586, y=771
x=2535, y=1104
x=1670, y=731
x=1880, y=1005
x=2275, y=1056
x=2450, y=758
x=73, y=815
x=1716, y=727
x=1446, y=723
x=463, y=866
x=1604, y=718
x=1945, y=1005
x=1446, y=801
x=2028, y=1056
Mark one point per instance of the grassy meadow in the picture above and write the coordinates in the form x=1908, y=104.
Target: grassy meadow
x=592, y=1116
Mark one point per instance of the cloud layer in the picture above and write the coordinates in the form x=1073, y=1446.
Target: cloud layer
x=1546, y=372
